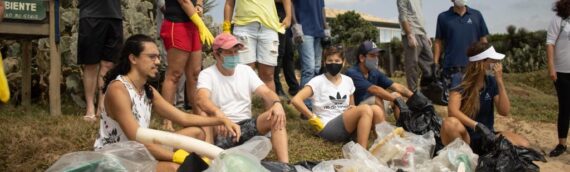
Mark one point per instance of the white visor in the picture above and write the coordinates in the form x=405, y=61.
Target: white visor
x=489, y=53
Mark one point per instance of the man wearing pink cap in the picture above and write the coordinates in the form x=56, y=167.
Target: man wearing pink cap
x=225, y=89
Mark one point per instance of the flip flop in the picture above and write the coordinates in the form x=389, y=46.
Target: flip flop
x=90, y=118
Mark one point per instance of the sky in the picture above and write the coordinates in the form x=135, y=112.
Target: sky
x=530, y=14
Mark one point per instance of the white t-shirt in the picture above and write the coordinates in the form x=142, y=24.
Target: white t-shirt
x=232, y=94
x=562, y=46
x=329, y=100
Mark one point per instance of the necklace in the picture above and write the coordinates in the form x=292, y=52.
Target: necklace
x=138, y=91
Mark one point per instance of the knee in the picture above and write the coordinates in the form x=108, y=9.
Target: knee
x=376, y=110
x=524, y=143
x=194, y=73
x=364, y=111
x=174, y=75
x=201, y=134
x=267, y=75
x=452, y=124
x=106, y=66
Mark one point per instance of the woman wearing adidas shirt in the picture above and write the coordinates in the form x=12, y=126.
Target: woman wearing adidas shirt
x=334, y=116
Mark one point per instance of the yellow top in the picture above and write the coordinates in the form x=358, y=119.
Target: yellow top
x=262, y=11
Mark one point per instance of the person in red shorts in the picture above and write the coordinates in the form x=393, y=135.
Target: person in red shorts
x=183, y=33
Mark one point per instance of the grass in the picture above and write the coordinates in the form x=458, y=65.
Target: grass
x=33, y=140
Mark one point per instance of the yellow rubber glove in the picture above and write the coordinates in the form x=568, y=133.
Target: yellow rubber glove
x=205, y=35
x=316, y=123
x=227, y=27
x=4, y=89
x=179, y=156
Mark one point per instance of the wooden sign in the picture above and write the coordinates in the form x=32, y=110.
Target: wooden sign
x=34, y=10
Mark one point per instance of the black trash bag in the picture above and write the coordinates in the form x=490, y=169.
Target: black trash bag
x=308, y=164
x=193, y=162
x=278, y=166
x=503, y=156
x=435, y=88
x=422, y=118
x=283, y=167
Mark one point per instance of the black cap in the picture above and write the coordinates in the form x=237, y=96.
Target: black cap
x=368, y=47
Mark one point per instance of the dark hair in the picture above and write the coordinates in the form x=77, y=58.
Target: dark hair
x=477, y=48
x=332, y=50
x=562, y=8
x=133, y=45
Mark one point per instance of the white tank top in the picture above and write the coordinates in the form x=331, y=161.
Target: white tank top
x=110, y=131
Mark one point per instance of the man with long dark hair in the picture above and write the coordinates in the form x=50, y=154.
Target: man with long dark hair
x=129, y=99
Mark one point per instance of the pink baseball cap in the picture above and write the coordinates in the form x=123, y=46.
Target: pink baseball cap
x=226, y=41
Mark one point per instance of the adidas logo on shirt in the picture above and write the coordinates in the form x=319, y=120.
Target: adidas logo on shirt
x=338, y=99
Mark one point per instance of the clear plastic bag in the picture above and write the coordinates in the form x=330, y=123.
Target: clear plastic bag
x=339, y=165
x=122, y=156
x=365, y=160
x=455, y=154
x=401, y=151
x=246, y=157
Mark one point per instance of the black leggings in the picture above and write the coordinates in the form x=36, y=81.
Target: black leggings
x=563, y=89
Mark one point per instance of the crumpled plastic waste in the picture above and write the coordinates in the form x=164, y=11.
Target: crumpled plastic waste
x=356, y=159
x=246, y=157
x=401, y=151
x=456, y=156
x=122, y=156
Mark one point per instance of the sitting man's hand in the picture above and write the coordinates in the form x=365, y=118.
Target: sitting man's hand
x=277, y=115
x=232, y=129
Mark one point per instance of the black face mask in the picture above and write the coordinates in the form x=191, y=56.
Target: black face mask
x=333, y=68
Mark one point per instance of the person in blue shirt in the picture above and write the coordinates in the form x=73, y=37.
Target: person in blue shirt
x=310, y=15
x=471, y=104
x=371, y=84
x=457, y=28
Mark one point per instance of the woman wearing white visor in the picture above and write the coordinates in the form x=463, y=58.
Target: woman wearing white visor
x=471, y=112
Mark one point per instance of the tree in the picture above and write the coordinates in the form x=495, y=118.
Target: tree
x=350, y=29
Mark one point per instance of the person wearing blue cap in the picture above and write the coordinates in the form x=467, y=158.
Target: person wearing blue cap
x=371, y=84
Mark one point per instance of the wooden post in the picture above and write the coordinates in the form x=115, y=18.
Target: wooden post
x=55, y=65
x=26, y=74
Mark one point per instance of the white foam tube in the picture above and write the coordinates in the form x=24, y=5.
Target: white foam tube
x=189, y=144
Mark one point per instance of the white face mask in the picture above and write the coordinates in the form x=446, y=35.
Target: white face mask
x=460, y=3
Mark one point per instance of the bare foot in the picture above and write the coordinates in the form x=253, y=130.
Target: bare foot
x=167, y=125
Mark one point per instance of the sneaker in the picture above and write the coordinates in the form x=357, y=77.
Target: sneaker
x=558, y=150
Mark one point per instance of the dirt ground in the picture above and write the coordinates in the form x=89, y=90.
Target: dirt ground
x=541, y=135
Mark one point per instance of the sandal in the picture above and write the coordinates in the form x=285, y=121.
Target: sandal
x=90, y=118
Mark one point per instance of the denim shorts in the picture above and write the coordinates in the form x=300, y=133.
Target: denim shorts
x=261, y=44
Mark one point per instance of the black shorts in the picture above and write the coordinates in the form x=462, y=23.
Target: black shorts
x=99, y=39
x=248, y=129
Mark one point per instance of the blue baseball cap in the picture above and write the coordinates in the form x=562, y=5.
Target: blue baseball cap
x=368, y=47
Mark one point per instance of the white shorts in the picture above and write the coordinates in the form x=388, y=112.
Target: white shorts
x=261, y=44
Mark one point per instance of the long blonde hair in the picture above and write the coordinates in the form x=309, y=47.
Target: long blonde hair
x=473, y=74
